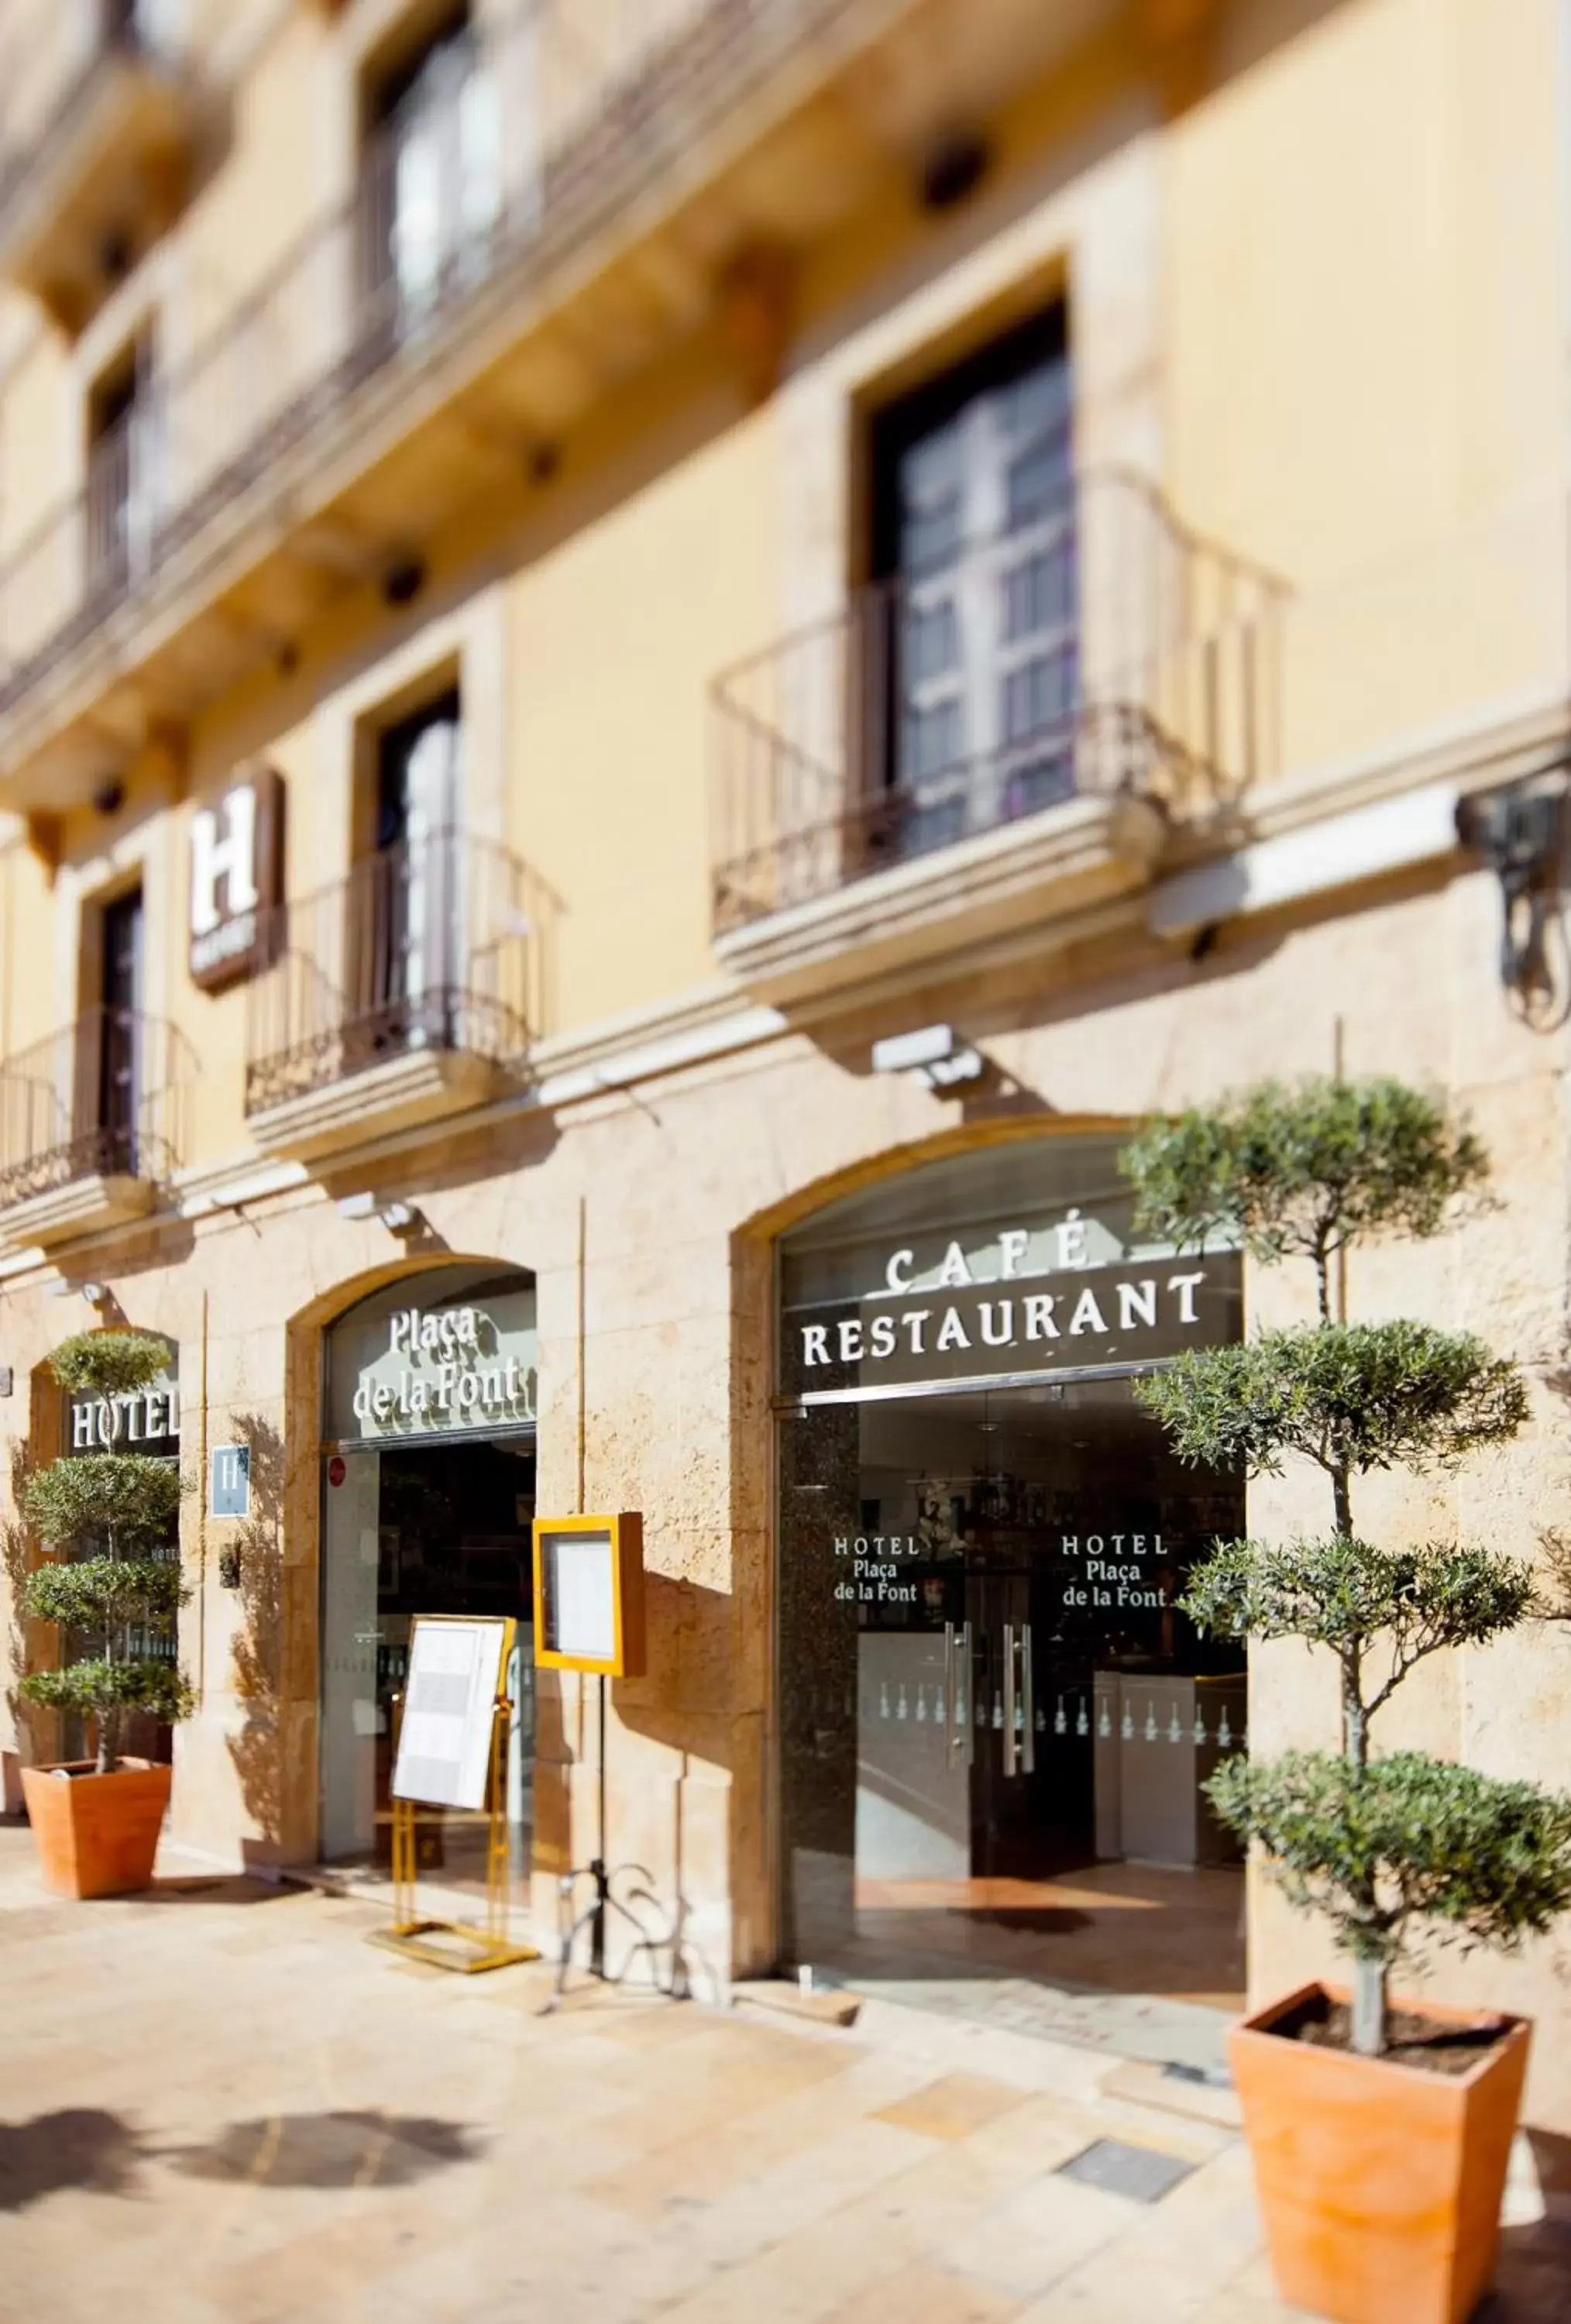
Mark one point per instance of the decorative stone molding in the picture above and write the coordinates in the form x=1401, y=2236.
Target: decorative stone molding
x=1081, y=852
x=416, y=1086
x=83, y=1206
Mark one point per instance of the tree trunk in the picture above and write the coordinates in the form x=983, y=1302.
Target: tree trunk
x=1342, y=1501
x=1369, y=2008
x=1354, y=1719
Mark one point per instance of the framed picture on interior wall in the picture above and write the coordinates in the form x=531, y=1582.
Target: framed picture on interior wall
x=388, y=1562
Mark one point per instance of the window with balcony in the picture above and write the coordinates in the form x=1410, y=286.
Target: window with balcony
x=122, y=468
x=431, y=176
x=1045, y=671
x=400, y=993
x=974, y=564
x=91, y=1117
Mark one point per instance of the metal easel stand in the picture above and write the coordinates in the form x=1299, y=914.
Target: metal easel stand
x=480, y=1948
x=595, y=1916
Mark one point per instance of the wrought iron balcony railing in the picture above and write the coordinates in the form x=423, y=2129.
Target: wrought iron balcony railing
x=50, y=59
x=551, y=121
x=424, y=948
x=1102, y=649
x=105, y=1098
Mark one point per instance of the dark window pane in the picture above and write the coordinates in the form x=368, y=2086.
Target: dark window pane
x=932, y=641
x=930, y=536
x=1036, y=485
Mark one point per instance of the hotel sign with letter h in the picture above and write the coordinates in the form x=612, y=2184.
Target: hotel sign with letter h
x=237, y=880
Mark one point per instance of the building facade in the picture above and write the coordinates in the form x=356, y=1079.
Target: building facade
x=660, y=665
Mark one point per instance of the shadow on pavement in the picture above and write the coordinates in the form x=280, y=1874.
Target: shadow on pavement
x=1533, y=2271
x=346, y=2149
x=212, y=1888
x=77, y=2147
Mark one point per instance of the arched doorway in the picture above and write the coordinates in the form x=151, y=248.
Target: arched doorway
x=995, y=1719
x=428, y=1483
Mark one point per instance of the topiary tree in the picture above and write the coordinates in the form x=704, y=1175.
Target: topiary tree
x=115, y=1509
x=1383, y=1846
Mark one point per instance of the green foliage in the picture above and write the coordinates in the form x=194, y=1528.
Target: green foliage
x=109, y=1363
x=1375, y=1844
x=97, y=1688
x=1342, y=1588
x=1344, y=1593
x=117, y=1510
x=1308, y=1168
x=90, y=1593
x=130, y=1499
x=1409, y=1838
x=1351, y=1397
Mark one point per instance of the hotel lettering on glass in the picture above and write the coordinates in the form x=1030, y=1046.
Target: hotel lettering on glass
x=1059, y=1294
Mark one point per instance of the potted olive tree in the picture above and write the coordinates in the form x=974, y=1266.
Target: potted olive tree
x=110, y=1582
x=1381, y=2130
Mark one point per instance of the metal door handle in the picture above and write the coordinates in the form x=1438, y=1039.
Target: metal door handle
x=1028, y=1707
x=1011, y=1747
x=964, y=1721
x=950, y=1689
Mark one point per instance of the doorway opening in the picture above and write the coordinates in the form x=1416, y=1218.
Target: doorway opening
x=428, y=1504
x=996, y=1720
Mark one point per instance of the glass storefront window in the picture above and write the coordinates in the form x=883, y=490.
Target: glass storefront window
x=995, y=1720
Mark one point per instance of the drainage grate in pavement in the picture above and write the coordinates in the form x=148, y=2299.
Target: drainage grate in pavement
x=1142, y=2173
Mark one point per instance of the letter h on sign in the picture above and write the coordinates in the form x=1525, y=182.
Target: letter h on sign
x=236, y=876
x=230, y=1493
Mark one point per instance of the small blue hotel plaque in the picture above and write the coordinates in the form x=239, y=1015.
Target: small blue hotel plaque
x=229, y=1487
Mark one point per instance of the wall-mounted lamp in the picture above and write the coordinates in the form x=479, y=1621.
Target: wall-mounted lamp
x=1521, y=832
x=96, y=1295
x=932, y=1056
x=400, y=1219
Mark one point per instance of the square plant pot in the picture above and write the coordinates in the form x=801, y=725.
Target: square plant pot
x=1381, y=2183
x=96, y=1835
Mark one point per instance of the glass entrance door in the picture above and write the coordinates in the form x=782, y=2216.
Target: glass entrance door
x=993, y=1576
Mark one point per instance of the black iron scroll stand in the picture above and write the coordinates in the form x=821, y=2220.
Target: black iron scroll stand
x=604, y=1901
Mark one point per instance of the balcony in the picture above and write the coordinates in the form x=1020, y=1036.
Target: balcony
x=98, y=133
x=977, y=755
x=398, y=996
x=92, y=1126
x=564, y=218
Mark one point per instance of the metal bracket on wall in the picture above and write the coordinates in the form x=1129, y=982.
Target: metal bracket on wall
x=1521, y=831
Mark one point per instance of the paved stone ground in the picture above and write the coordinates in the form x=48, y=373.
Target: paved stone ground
x=218, y=2102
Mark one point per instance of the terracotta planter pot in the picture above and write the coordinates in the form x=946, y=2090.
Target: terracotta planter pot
x=96, y=1835
x=1380, y=2184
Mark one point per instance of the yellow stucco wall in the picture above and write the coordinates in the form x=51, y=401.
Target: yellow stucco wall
x=1349, y=373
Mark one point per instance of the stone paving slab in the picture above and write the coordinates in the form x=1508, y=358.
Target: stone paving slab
x=218, y=2105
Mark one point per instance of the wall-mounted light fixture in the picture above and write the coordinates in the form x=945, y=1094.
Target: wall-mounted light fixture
x=400, y=1219
x=932, y=1056
x=96, y=1295
x=1521, y=832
